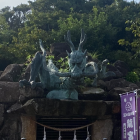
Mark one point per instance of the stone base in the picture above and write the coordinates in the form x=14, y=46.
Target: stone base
x=63, y=94
x=102, y=129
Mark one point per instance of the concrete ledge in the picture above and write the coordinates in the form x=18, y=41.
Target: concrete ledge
x=67, y=108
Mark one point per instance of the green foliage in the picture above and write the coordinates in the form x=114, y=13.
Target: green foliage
x=94, y=55
x=5, y=39
x=50, y=57
x=88, y=81
x=137, y=71
x=10, y=22
x=134, y=43
x=125, y=56
x=102, y=20
x=103, y=3
x=28, y=59
x=122, y=55
x=95, y=24
x=61, y=64
x=132, y=77
x=80, y=88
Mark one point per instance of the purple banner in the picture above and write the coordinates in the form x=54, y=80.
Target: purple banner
x=128, y=117
x=138, y=118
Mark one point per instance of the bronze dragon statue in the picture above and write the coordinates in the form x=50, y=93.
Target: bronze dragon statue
x=62, y=85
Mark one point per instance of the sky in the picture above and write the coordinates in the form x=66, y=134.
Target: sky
x=14, y=3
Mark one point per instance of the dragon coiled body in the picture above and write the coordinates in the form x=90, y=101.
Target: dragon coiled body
x=62, y=85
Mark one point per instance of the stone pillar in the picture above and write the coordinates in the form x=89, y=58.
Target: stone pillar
x=28, y=128
x=102, y=129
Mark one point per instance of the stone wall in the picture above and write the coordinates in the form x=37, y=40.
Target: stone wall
x=15, y=102
x=18, y=102
x=12, y=98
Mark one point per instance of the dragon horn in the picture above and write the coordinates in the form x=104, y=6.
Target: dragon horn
x=42, y=47
x=68, y=40
x=82, y=40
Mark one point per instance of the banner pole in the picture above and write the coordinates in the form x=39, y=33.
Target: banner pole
x=129, y=115
x=137, y=114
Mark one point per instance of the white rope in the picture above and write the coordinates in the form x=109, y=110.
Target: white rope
x=44, y=134
x=59, y=135
x=88, y=136
x=75, y=138
x=59, y=129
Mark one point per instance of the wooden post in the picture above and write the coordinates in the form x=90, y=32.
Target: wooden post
x=28, y=128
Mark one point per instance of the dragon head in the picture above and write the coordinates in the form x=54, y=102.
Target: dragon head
x=77, y=58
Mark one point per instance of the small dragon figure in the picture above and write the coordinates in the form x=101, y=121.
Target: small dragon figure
x=62, y=85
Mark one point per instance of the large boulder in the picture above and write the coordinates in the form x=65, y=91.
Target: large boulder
x=26, y=73
x=1, y=113
x=11, y=129
x=28, y=93
x=63, y=55
x=92, y=93
x=115, y=70
x=122, y=67
x=9, y=92
x=11, y=73
x=102, y=84
x=119, y=83
x=118, y=86
x=25, y=95
x=1, y=73
x=138, y=84
x=114, y=94
x=58, y=48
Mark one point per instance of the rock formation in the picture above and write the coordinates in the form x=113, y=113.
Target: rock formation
x=101, y=103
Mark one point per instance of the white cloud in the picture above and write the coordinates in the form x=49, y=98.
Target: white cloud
x=12, y=3
x=134, y=0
